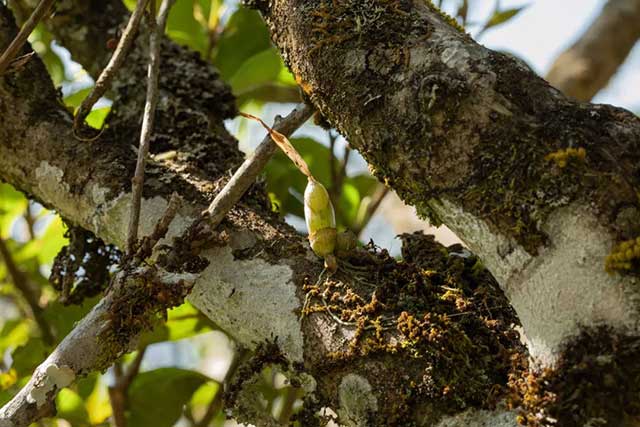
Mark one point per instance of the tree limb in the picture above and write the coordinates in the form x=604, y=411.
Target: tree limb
x=157, y=32
x=586, y=67
x=21, y=282
x=119, y=55
x=17, y=44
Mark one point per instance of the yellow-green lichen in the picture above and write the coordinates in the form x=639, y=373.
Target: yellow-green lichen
x=625, y=256
x=563, y=157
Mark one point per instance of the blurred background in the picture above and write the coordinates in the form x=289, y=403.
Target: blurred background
x=183, y=364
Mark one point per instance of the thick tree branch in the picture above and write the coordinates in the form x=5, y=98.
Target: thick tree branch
x=442, y=96
x=587, y=66
x=469, y=143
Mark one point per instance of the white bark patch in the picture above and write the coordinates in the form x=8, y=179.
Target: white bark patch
x=562, y=289
x=251, y=299
x=501, y=255
x=566, y=286
x=479, y=418
x=357, y=402
x=54, y=378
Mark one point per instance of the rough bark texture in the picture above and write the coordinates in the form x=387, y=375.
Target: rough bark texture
x=588, y=65
x=471, y=144
x=385, y=342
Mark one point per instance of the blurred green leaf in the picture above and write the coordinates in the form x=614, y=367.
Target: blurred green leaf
x=27, y=357
x=156, y=397
x=40, y=40
x=96, y=117
x=63, y=318
x=98, y=404
x=260, y=68
x=182, y=322
x=205, y=393
x=244, y=36
x=45, y=247
x=501, y=16
x=349, y=204
x=12, y=204
x=71, y=407
x=184, y=28
x=14, y=333
x=75, y=99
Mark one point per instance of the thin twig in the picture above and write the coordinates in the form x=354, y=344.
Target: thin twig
x=22, y=36
x=160, y=230
x=371, y=210
x=147, y=121
x=247, y=173
x=117, y=59
x=119, y=392
x=21, y=282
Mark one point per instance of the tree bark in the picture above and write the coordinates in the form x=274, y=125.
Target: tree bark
x=468, y=142
x=586, y=67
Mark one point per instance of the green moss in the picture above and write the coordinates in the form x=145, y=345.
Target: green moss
x=596, y=381
x=446, y=17
x=437, y=308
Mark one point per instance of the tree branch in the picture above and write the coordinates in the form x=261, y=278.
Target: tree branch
x=247, y=173
x=18, y=42
x=117, y=59
x=587, y=66
x=21, y=282
x=157, y=32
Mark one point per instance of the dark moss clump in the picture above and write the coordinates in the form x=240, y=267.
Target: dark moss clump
x=596, y=382
x=82, y=268
x=139, y=299
x=439, y=310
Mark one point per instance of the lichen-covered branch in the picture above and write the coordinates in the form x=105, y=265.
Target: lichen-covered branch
x=380, y=341
x=471, y=145
x=586, y=67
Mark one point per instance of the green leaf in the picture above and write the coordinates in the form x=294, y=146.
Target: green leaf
x=244, y=36
x=14, y=333
x=27, y=357
x=75, y=99
x=184, y=28
x=63, y=318
x=71, y=407
x=156, y=397
x=96, y=117
x=98, y=404
x=182, y=322
x=501, y=16
x=12, y=204
x=349, y=204
x=263, y=67
x=47, y=246
x=205, y=393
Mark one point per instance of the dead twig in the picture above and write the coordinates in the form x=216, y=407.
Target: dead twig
x=247, y=173
x=18, y=42
x=117, y=59
x=21, y=282
x=147, y=121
